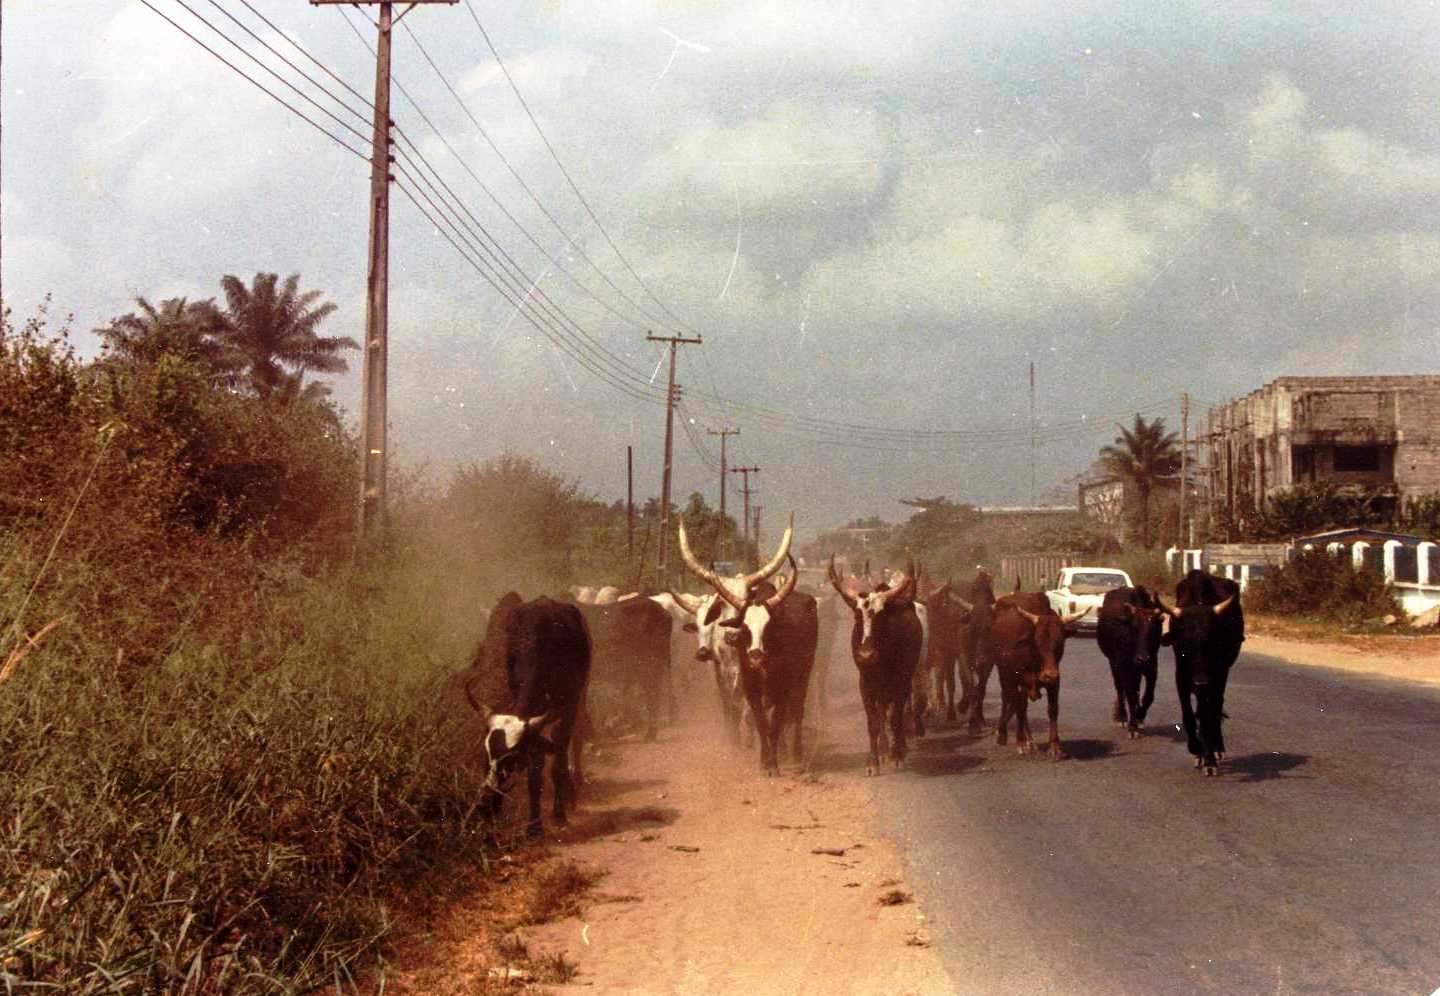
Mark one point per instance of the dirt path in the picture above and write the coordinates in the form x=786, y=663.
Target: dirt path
x=1410, y=658
x=712, y=883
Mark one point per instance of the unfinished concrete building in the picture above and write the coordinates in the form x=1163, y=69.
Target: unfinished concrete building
x=1381, y=434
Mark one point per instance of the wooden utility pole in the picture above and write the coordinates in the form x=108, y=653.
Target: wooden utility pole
x=630, y=502
x=745, y=473
x=720, y=538
x=1184, y=471
x=758, y=510
x=662, y=562
x=1032, y=434
x=373, y=380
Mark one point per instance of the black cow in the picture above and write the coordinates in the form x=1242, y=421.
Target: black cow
x=546, y=651
x=632, y=651
x=1128, y=633
x=1206, y=627
x=885, y=643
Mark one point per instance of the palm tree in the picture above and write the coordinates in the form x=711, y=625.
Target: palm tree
x=1139, y=458
x=272, y=327
x=191, y=331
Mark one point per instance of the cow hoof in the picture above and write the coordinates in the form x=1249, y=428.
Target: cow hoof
x=1199, y=763
x=1134, y=733
x=1219, y=755
x=870, y=771
x=1210, y=771
x=1058, y=754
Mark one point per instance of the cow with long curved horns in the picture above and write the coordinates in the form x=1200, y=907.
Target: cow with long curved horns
x=885, y=643
x=773, y=632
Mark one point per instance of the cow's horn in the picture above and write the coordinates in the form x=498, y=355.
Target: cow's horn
x=690, y=603
x=704, y=573
x=1074, y=617
x=967, y=606
x=1168, y=609
x=484, y=710
x=774, y=565
x=1221, y=607
x=1028, y=615
x=786, y=587
x=845, y=593
x=905, y=586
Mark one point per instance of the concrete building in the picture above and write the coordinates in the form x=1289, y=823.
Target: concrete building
x=1381, y=434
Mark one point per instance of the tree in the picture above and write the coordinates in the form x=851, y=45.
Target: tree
x=190, y=331
x=1139, y=458
x=271, y=326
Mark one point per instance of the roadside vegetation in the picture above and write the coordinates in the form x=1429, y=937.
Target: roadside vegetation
x=1319, y=587
x=230, y=750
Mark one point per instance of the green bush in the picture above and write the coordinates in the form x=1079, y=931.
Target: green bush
x=1321, y=586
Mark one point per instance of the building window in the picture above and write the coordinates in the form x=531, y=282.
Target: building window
x=1357, y=459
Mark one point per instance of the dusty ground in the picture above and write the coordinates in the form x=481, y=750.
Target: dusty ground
x=712, y=883
x=1405, y=656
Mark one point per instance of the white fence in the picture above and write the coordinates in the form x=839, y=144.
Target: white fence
x=1413, y=570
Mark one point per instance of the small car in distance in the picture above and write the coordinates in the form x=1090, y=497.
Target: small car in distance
x=1082, y=589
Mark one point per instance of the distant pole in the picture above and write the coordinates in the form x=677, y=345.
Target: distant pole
x=662, y=561
x=1184, y=468
x=745, y=473
x=722, y=433
x=630, y=502
x=1032, y=433
x=758, y=510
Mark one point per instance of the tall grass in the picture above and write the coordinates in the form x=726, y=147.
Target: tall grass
x=243, y=813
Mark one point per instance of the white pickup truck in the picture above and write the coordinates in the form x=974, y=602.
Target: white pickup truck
x=1083, y=589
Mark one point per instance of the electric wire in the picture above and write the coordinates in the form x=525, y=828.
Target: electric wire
x=595, y=358
x=571, y=240
x=566, y=173
x=256, y=59
x=260, y=86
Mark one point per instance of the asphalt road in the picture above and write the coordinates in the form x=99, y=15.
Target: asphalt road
x=1312, y=865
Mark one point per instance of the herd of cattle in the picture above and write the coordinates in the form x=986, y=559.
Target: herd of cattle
x=769, y=647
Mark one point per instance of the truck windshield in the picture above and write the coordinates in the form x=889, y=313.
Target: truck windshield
x=1095, y=583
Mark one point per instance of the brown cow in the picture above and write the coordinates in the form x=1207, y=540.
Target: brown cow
x=948, y=615
x=1027, y=639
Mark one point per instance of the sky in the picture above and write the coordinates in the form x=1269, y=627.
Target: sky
x=877, y=215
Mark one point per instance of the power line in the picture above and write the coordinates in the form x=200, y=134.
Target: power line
x=529, y=191
x=256, y=59
x=555, y=335
x=258, y=85
x=566, y=173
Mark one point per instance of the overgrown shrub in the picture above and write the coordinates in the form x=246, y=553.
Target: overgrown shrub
x=1319, y=585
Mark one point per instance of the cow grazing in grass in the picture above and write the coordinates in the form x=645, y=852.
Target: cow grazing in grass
x=773, y=633
x=885, y=642
x=1206, y=627
x=1128, y=634
x=1027, y=640
x=546, y=653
